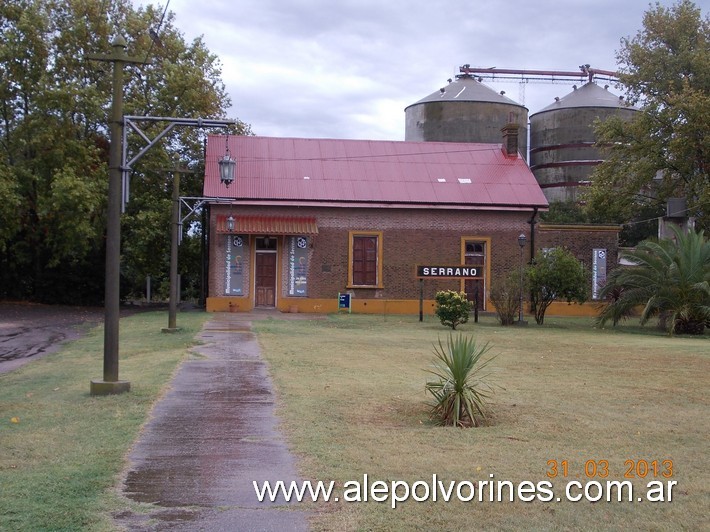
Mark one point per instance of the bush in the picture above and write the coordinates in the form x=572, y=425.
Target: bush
x=452, y=307
x=460, y=390
x=555, y=274
x=505, y=295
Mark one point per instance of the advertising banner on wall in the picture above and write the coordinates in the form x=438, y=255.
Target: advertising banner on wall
x=598, y=271
x=234, y=266
x=297, y=266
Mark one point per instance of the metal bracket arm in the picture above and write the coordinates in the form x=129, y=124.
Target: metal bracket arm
x=130, y=123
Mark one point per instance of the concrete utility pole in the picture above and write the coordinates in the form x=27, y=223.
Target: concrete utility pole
x=176, y=226
x=110, y=384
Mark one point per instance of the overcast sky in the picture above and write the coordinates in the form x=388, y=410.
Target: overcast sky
x=348, y=68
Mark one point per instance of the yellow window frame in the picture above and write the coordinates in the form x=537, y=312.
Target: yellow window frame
x=380, y=246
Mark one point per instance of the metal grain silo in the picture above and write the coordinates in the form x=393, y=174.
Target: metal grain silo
x=465, y=111
x=562, y=151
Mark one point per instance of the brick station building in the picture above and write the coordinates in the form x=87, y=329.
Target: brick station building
x=308, y=219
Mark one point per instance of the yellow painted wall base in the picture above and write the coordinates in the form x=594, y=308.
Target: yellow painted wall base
x=375, y=306
x=326, y=306
x=562, y=308
x=228, y=304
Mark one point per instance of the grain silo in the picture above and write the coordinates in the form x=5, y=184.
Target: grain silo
x=465, y=110
x=562, y=151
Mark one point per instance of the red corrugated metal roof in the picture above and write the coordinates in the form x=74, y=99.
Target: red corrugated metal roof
x=363, y=171
x=272, y=225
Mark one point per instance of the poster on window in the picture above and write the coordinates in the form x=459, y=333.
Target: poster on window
x=234, y=266
x=598, y=272
x=297, y=266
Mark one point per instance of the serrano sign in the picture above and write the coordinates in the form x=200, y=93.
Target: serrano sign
x=462, y=271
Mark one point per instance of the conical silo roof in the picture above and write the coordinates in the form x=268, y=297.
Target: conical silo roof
x=466, y=89
x=563, y=141
x=588, y=95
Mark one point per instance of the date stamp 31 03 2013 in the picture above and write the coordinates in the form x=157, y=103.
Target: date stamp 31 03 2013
x=632, y=469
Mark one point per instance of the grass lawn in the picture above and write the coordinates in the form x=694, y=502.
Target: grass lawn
x=61, y=450
x=352, y=398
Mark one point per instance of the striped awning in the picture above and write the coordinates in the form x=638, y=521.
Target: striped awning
x=268, y=225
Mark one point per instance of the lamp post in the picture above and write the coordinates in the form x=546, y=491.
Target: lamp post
x=521, y=242
x=110, y=384
x=119, y=170
x=175, y=228
x=174, y=223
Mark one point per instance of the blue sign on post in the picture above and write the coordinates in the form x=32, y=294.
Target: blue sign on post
x=344, y=301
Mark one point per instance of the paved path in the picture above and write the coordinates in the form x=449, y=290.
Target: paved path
x=211, y=435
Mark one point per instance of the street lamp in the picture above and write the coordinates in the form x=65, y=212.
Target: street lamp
x=521, y=242
x=119, y=170
x=227, y=165
x=230, y=223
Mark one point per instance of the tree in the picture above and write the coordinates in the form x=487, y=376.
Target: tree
x=555, y=274
x=669, y=279
x=665, y=150
x=636, y=226
x=54, y=104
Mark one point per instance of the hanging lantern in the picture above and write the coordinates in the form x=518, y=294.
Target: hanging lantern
x=227, y=166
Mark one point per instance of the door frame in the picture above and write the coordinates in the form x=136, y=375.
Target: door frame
x=485, y=281
x=277, y=271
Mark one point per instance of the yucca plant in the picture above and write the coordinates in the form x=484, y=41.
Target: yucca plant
x=461, y=389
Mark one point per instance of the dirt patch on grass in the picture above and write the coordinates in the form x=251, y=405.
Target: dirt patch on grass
x=29, y=331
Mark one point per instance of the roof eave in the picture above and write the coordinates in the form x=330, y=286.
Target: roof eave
x=385, y=205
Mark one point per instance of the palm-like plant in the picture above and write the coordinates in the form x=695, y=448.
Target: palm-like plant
x=669, y=278
x=460, y=390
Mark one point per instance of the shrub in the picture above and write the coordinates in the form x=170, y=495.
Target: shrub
x=452, y=307
x=555, y=274
x=460, y=390
x=505, y=295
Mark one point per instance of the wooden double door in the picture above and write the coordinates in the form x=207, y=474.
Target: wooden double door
x=265, y=279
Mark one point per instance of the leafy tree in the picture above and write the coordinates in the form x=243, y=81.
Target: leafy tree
x=635, y=227
x=564, y=212
x=452, y=308
x=54, y=104
x=461, y=389
x=665, y=150
x=555, y=274
x=670, y=279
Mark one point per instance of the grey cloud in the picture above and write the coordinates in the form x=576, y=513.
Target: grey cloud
x=319, y=68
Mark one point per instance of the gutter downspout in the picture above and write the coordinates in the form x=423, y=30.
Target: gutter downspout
x=205, y=247
x=532, y=221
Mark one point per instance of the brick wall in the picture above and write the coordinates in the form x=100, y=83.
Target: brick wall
x=581, y=240
x=410, y=237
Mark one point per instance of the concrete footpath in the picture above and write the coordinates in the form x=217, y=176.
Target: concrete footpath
x=212, y=435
